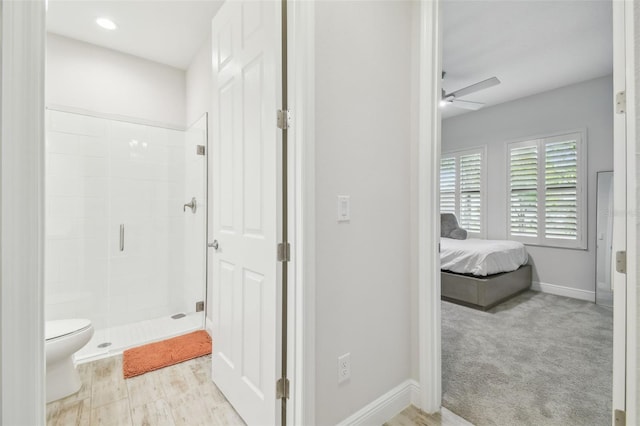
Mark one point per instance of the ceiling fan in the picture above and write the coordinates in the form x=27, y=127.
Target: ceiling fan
x=453, y=98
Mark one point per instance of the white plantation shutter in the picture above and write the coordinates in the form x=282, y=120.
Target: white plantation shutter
x=461, y=188
x=470, y=192
x=523, y=182
x=561, y=194
x=448, y=185
x=546, y=204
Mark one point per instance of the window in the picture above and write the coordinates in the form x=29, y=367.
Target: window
x=546, y=202
x=462, y=178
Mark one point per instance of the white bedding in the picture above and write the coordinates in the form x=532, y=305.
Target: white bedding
x=481, y=257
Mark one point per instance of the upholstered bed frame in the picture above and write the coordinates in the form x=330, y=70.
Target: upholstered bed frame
x=484, y=292
x=479, y=292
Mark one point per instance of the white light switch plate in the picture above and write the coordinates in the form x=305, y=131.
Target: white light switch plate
x=344, y=208
x=344, y=367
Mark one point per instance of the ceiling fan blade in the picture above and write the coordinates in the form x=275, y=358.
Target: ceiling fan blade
x=473, y=106
x=485, y=84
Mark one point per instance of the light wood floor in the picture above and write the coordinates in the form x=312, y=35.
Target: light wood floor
x=182, y=394
x=411, y=416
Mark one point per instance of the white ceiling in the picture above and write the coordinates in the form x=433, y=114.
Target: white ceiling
x=165, y=31
x=531, y=46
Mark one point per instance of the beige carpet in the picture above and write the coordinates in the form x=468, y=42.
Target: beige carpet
x=537, y=360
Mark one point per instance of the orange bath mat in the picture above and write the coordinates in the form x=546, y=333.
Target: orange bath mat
x=168, y=352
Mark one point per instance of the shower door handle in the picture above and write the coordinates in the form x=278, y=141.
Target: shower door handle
x=122, y=237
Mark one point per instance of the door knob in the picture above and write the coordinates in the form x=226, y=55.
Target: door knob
x=214, y=244
x=193, y=205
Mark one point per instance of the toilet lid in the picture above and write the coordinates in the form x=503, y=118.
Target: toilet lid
x=59, y=328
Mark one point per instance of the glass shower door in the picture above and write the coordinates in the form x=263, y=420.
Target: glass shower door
x=122, y=248
x=195, y=221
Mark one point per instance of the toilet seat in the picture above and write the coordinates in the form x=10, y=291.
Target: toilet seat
x=60, y=328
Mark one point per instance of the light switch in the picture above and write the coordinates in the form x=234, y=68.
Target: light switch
x=344, y=208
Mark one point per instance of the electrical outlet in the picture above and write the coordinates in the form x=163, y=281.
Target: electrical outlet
x=344, y=367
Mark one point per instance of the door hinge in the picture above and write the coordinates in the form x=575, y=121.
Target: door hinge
x=620, y=418
x=282, y=388
x=621, y=262
x=284, y=252
x=200, y=150
x=284, y=119
x=621, y=102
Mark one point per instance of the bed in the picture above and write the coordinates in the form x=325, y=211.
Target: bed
x=482, y=273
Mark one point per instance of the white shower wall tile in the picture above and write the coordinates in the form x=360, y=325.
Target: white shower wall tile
x=69, y=165
x=168, y=190
x=64, y=227
x=131, y=169
x=130, y=189
x=66, y=143
x=121, y=130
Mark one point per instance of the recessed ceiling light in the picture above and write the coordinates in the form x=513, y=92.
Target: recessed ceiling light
x=106, y=23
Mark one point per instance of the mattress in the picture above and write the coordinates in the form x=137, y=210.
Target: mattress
x=481, y=257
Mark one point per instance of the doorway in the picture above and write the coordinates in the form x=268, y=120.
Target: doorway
x=430, y=157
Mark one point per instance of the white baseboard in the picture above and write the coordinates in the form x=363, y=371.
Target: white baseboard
x=559, y=290
x=415, y=393
x=208, y=326
x=385, y=407
x=392, y=403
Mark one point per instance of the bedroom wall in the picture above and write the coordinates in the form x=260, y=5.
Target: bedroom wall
x=362, y=145
x=88, y=77
x=583, y=105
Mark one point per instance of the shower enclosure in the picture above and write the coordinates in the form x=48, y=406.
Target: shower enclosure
x=125, y=228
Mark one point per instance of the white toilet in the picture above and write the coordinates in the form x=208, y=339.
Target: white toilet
x=63, y=339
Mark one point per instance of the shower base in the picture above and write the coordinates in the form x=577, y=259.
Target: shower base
x=130, y=335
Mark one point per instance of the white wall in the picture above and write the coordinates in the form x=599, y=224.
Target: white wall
x=88, y=77
x=584, y=105
x=362, y=145
x=198, y=83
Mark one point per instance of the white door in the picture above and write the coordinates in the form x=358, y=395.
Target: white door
x=245, y=172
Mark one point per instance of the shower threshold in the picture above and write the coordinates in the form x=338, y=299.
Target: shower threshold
x=131, y=335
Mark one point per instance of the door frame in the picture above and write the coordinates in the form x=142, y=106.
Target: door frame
x=302, y=232
x=429, y=89
x=429, y=318
x=627, y=37
x=22, y=362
